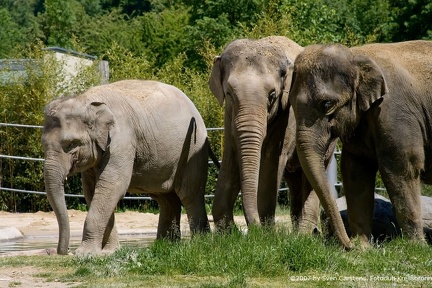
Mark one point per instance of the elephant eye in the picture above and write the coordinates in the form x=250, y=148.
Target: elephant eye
x=328, y=106
x=228, y=96
x=272, y=97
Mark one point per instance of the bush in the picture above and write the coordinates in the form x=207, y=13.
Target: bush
x=23, y=97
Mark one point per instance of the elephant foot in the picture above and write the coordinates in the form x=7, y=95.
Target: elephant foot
x=111, y=247
x=308, y=227
x=199, y=226
x=85, y=251
x=91, y=249
x=225, y=225
x=173, y=232
x=268, y=221
x=360, y=243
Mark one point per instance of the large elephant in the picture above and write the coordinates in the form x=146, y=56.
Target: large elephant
x=377, y=99
x=253, y=78
x=131, y=135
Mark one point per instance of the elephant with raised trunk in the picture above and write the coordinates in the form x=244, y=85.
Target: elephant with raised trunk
x=132, y=135
x=377, y=99
x=253, y=78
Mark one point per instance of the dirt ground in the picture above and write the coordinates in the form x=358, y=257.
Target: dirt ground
x=44, y=224
x=42, y=227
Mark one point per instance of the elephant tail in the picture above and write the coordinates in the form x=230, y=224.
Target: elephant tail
x=213, y=156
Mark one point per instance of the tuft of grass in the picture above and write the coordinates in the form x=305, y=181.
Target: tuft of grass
x=261, y=257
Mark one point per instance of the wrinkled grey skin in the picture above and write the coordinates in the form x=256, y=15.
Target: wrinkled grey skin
x=253, y=77
x=132, y=135
x=378, y=99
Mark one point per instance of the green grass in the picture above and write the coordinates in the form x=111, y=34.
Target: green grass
x=274, y=258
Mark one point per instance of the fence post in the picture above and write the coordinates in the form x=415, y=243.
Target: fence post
x=332, y=175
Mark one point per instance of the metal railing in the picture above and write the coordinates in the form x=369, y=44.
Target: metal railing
x=332, y=178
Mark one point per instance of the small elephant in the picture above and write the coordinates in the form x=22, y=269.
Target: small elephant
x=132, y=135
x=253, y=78
x=377, y=99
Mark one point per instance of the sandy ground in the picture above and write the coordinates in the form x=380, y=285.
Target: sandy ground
x=42, y=227
x=40, y=235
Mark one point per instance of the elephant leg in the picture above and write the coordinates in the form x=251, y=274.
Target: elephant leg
x=110, y=240
x=267, y=192
x=191, y=194
x=294, y=182
x=169, y=216
x=227, y=189
x=274, y=157
x=304, y=202
x=310, y=214
x=358, y=177
x=110, y=187
x=197, y=215
x=405, y=195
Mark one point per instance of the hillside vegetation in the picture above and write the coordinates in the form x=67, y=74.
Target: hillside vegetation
x=170, y=41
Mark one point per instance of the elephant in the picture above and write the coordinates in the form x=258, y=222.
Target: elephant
x=139, y=136
x=253, y=77
x=377, y=100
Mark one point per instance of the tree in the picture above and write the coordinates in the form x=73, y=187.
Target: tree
x=10, y=34
x=164, y=33
x=98, y=33
x=412, y=20
x=60, y=19
x=128, y=7
x=19, y=26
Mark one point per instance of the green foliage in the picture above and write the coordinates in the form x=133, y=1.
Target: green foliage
x=99, y=33
x=60, y=18
x=19, y=26
x=411, y=20
x=10, y=31
x=21, y=103
x=170, y=41
x=308, y=22
x=125, y=65
x=163, y=33
x=22, y=99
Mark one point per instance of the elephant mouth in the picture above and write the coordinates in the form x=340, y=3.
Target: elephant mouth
x=74, y=166
x=72, y=169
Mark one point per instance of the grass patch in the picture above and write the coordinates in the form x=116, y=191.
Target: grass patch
x=262, y=257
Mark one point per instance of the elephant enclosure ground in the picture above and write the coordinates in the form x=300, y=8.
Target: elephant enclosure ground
x=40, y=233
x=40, y=230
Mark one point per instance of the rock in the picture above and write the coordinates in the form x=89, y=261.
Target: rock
x=384, y=224
x=8, y=233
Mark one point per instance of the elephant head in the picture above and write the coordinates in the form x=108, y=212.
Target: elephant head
x=252, y=78
x=74, y=138
x=331, y=88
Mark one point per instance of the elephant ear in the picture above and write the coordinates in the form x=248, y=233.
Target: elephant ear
x=371, y=83
x=287, y=81
x=102, y=120
x=215, y=81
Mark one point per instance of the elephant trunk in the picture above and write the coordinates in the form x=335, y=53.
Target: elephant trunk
x=55, y=175
x=250, y=138
x=311, y=152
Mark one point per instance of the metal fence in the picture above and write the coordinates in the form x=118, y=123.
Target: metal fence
x=41, y=159
x=332, y=171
